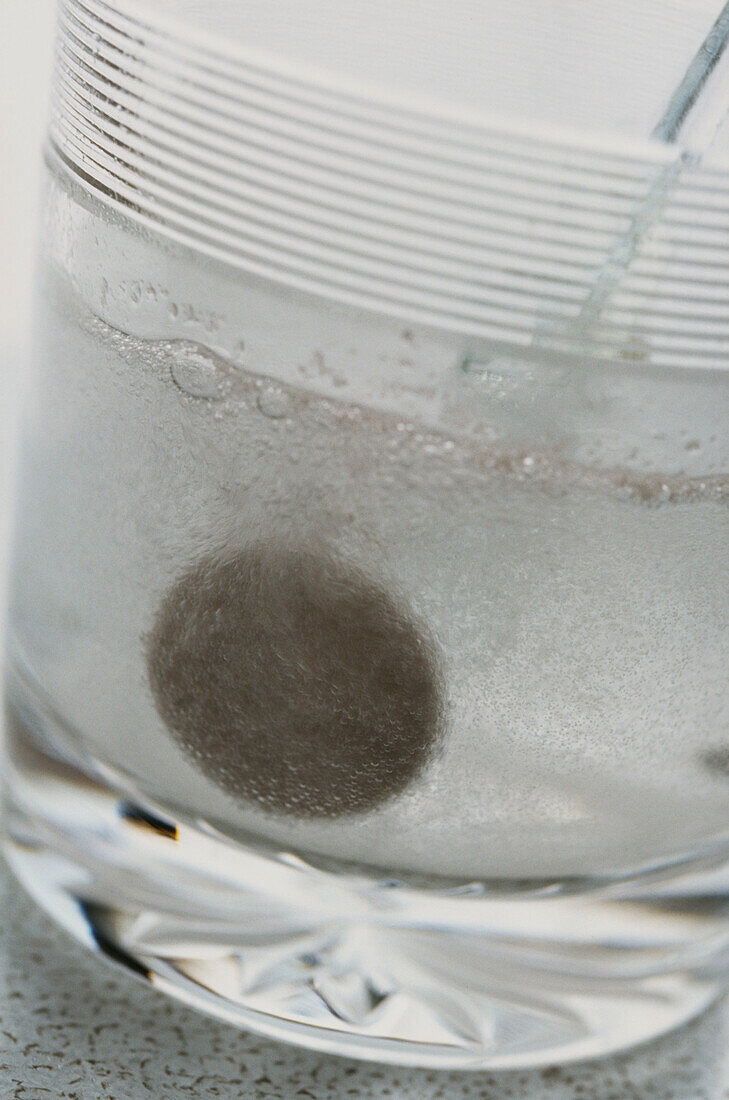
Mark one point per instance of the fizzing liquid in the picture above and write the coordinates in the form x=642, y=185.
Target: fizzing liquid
x=313, y=620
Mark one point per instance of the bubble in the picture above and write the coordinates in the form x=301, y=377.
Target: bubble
x=198, y=372
x=273, y=402
x=293, y=680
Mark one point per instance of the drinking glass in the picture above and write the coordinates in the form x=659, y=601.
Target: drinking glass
x=369, y=613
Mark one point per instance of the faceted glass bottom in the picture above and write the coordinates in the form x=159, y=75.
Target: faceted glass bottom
x=350, y=961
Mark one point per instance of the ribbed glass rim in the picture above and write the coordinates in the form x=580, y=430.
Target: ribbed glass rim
x=488, y=231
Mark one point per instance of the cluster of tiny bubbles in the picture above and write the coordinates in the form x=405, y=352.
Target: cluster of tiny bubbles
x=293, y=680
x=194, y=368
x=409, y=444
x=200, y=373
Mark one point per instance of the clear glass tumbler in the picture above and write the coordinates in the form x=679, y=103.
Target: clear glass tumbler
x=369, y=617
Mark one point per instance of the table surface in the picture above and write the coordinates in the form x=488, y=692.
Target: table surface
x=74, y=1027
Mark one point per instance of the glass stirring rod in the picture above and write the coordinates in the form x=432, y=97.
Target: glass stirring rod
x=692, y=117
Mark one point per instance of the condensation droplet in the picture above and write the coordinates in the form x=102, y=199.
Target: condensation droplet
x=199, y=373
x=273, y=402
